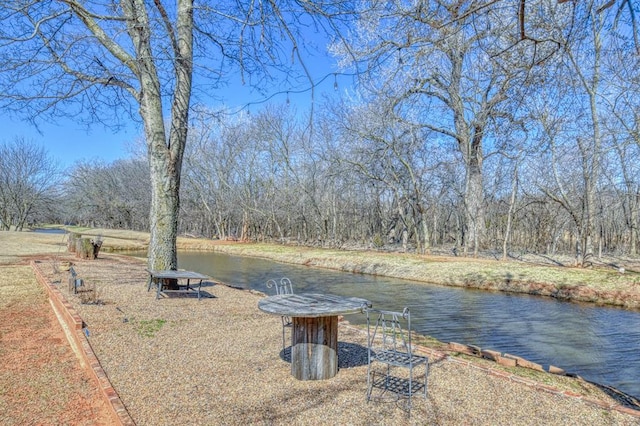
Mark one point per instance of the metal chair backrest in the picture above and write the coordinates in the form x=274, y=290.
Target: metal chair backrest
x=74, y=281
x=284, y=286
x=390, y=344
x=391, y=329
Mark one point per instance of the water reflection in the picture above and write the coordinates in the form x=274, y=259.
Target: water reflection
x=600, y=344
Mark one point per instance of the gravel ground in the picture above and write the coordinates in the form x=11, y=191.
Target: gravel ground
x=219, y=361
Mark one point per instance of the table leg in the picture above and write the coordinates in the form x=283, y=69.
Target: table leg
x=314, y=348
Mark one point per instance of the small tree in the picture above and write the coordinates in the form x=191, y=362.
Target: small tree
x=28, y=180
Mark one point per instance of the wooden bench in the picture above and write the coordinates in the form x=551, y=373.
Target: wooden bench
x=74, y=281
x=162, y=278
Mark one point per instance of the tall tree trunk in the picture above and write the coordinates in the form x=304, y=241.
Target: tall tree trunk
x=164, y=153
x=474, y=201
x=591, y=150
x=470, y=145
x=634, y=225
x=426, y=234
x=512, y=204
x=163, y=217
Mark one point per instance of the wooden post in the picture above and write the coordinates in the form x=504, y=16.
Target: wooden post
x=71, y=242
x=314, y=349
x=169, y=283
x=84, y=248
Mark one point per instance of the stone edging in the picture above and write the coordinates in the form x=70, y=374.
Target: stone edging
x=73, y=326
x=515, y=378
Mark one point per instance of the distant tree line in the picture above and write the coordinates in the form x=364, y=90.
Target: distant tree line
x=268, y=177
x=470, y=130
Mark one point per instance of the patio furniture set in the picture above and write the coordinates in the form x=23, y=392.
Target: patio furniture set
x=313, y=320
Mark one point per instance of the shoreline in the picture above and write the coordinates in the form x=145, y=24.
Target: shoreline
x=612, y=282
x=419, y=268
x=120, y=330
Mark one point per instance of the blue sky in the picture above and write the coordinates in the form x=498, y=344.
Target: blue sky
x=69, y=142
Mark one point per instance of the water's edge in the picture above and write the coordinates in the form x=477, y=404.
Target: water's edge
x=598, y=343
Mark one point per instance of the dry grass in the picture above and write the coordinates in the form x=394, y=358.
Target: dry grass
x=17, y=287
x=435, y=269
x=463, y=272
x=16, y=245
x=41, y=381
x=601, y=284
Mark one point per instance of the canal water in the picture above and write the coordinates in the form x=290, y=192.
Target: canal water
x=598, y=343
x=50, y=230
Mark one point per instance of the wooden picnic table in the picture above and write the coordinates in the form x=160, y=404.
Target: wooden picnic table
x=160, y=279
x=314, y=340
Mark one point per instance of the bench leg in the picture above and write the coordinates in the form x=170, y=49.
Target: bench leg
x=192, y=288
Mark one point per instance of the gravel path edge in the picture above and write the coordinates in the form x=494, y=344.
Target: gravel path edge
x=72, y=325
x=75, y=325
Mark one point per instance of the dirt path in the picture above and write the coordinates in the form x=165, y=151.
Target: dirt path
x=41, y=380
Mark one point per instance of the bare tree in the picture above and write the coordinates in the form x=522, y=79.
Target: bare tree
x=394, y=155
x=218, y=160
x=98, y=60
x=622, y=127
x=573, y=118
x=112, y=195
x=447, y=71
x=29, y=179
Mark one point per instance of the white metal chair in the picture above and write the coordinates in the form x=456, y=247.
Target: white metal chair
x=284, y=286
x=389, y=343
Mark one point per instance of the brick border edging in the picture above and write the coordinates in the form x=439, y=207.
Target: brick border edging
x=85, y=351
x=518, y=379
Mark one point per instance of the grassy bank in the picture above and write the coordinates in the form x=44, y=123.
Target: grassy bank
x=601, y=284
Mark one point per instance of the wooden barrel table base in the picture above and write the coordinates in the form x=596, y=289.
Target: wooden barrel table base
x=314, y=340
x=314, y=348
